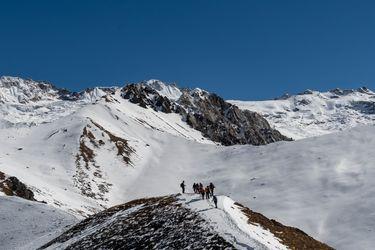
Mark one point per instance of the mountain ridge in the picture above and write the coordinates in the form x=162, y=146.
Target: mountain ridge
x=325, y=177
x=182, y=221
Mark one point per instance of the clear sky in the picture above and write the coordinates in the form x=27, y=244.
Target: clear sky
x=239, y=49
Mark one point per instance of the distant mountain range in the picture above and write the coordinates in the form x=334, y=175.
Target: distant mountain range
x=314, y=113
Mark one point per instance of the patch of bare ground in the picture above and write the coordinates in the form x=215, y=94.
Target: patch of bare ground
x=122, y=145
x=292, y=237
x=152, y=223
x=87, y=156
x=89, y=177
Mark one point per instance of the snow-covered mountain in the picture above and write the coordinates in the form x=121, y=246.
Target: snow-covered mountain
x=28, y=103
x=314, y=113
x=84, y=153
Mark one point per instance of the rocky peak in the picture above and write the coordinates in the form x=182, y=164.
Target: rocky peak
x=343, y=92
x=207, y=112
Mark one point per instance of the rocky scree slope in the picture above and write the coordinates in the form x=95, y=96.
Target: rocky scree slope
x=169, y=222
x=217, y=119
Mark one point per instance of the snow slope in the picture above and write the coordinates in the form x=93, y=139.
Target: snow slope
x=168, y=90
x=314, y=113
x=27, y=225
x=45, y=156
x=232, y=224
x=322, y=185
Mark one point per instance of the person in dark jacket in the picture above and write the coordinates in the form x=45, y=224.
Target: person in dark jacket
x=212, y=187
x=182, y=185
x=214, y=198
x=207, y=191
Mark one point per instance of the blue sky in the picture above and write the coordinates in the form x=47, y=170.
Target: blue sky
x=238, y=49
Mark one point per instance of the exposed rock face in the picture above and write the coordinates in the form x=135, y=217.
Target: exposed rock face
x=217, y=119
x=146, y=96
x=11, y=186
x=365, y=107
x=154, y=223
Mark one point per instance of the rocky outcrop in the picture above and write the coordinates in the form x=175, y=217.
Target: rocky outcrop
x=217, y=119
x=11, y=186
x=146, y=96
x=364, y=107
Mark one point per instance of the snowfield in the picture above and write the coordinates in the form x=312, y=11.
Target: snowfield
x=28, y=225
x=314, y=113
x=111, y=151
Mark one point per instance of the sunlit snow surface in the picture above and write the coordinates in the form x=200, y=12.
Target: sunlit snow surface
x=232, y=224
x=322, y=185
x=316, y=113
x=27, y=225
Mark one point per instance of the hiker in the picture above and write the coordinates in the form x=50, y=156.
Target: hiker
x=212, y=187
x=201, y=190
x=200, y=186
x=195, y=187
x=182, y=185
x=207, y=190
x=214, y=198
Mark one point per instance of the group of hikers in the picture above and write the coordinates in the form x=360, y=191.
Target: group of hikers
x=206, y=192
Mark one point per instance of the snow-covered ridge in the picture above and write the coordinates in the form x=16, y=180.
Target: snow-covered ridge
x=208, y=113
x=171, y=91
x=181, y=221
x=15, y=90
x=314, y=113
x=25, y=102
x=18, y=90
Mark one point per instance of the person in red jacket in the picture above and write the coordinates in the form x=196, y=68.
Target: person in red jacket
x=201, y=190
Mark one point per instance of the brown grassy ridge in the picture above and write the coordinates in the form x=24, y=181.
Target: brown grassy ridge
x=291, y=237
